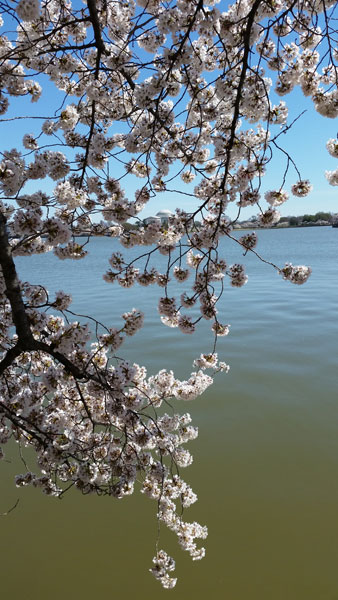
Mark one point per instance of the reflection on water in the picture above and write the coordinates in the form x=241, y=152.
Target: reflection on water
x=266, y=460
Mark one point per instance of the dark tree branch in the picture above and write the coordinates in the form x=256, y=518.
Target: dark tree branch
x=94, y=17
x=26, y=341
x=13, y=291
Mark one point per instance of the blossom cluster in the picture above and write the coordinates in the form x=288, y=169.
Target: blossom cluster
x=296, y=274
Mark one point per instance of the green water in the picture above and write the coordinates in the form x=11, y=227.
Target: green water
x=266, y=460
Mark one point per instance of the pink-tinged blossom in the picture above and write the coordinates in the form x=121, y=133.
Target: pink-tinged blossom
x=68, y=118
x=187, y=301
x=332, y=147
x=185, y=324
x=249, y=240
x=302, y=188
x=28, y=10
x=332, y=177
x=193, y=260
x=167, y=306
x=29, y=142
x=220, y=329
x=163, y=565
x=276, y=198
x=72, y=250
x=170, y=321
x=249, y=198
x=181, y=274
x=269, y=217
x=237, y=275
x=133, y=321
x=62, y=301
x=48, y=127
x=206, y=361
x=296, y=274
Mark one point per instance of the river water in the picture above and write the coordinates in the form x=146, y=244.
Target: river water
x=266, y=459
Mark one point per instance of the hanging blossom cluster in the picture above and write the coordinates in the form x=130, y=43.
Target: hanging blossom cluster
x=332, y=148
x=178, y=94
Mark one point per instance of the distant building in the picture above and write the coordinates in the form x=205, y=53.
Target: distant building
x=161, y=217
x=248, y=225
x=164, y=215
x=149, y=220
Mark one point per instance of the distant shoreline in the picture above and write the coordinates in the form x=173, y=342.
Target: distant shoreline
x=237, y=227
x=286, y=226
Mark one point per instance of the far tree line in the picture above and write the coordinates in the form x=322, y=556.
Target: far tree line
x=304, y=219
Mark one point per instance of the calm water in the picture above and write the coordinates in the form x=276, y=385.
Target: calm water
x=266, y=460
